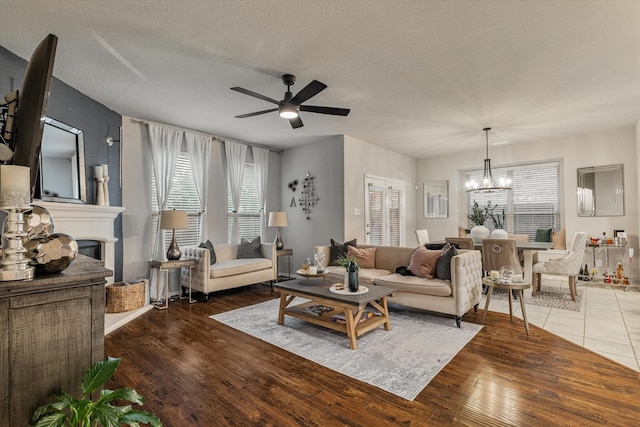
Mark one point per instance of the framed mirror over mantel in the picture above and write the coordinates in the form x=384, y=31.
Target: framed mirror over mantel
x=601, y=191
x=436, y=199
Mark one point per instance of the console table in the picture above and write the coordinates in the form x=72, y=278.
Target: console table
x=51, y=332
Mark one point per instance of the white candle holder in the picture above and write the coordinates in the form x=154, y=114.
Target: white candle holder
x=100, y=191
x=106, y=190
x=14, y=264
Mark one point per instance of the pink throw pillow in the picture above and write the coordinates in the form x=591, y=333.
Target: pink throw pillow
x=364, y=257
x=423, y=262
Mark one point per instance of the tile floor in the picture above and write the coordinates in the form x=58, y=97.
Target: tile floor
x=608, y=322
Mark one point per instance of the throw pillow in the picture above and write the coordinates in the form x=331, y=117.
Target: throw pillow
x=443, y=266
x=543, y=235
x=339, y=250
x=212, y=252
x=435, y=246
x=365, y=257
x=559, y=239
x=249, y=248
x=423, y=262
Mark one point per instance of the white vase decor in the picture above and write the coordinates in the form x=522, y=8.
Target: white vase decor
x=479, y=232
x=499, y=233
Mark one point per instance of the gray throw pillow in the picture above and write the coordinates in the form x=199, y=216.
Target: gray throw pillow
x=212, y=252
x=249, y=248
x=339, y=250
x=443, y=266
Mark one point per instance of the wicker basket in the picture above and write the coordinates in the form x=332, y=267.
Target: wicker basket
x=122, y=298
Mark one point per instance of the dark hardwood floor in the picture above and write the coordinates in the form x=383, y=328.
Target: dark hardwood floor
x=195, y=371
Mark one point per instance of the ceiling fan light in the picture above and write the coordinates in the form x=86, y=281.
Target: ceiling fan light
x=288, y=112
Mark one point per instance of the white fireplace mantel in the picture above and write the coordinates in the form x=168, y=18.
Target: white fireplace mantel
x=86, y=222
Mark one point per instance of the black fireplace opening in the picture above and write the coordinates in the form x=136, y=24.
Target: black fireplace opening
x=90, y=248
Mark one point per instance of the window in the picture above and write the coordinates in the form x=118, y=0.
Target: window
x=532, y=203
x=384, y=211
x=183, y=196
x=249, y=210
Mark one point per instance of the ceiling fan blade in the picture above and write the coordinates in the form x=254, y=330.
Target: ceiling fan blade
x=325, y=110
x=309, y=91
x=257, y=113
x=255, y=95
x=296, y=122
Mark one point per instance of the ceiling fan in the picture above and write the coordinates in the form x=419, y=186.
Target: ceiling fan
x=290, y=106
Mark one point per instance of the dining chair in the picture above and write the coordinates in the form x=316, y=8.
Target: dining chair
x=422, y=236
x=498, y=253
x=568, y=265
x=462, y=242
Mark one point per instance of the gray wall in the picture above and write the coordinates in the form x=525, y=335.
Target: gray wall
x=69, y=106
x=325, y=161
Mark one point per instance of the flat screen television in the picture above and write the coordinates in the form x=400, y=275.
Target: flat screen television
x=32, y=106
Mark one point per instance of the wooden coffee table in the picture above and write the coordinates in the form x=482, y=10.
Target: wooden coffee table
x=351, y=306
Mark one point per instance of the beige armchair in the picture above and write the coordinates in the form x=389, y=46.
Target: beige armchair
x=568, y=265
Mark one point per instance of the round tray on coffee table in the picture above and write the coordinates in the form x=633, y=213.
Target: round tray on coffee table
x=309, y=275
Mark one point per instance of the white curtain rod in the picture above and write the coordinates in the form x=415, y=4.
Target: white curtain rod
x=145, y=122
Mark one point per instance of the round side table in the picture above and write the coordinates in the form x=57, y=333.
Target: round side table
x=516, y=285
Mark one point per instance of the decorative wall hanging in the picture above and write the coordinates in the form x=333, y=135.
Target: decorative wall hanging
x=293, y=184
x=293, y=202
x=309, y=198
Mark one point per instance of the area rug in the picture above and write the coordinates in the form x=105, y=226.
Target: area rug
x=401, y=361
x=548, y=296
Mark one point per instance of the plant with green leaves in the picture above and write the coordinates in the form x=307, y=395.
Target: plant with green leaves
x=345, y=260
x=478, y=215
x=83, y=412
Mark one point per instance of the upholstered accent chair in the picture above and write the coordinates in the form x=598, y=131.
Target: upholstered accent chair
x=568, y=265
x=422, y=236
x=463, y=242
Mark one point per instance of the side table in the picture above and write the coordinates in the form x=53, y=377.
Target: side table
x=516, y=285
x=287, y=253
x=165, y=266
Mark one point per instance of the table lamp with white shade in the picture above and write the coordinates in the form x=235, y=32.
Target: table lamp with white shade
x=278, y=219
x=174, y=220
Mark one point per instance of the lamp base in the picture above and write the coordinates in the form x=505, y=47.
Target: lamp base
x=173, y=253
x=278, y=241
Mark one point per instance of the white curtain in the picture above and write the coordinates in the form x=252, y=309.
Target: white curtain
x=165, y=147
x=199, y=151
x=261, y=164
x=236, y=155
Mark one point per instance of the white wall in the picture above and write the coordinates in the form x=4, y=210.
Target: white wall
x=362, y=158
x=592, y=149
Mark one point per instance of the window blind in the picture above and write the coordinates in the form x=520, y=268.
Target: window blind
x=533, y=202
x=183, y=196
x=249, y=210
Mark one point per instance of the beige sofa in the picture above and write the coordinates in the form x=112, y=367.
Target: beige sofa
x=455, y=297
x=228, y=271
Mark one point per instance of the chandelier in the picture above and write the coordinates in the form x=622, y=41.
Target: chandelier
x=488, y=184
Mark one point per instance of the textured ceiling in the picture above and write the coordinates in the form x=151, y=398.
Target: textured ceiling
x=421, y=78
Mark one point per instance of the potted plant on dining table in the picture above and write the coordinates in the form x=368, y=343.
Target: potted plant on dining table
x=478, y=217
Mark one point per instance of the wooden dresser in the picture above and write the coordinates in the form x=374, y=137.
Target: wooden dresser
x=51, y=331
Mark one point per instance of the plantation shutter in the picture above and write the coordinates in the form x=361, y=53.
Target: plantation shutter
x=385, y=211
x=183, y=196
x=249, y=210
x=375, y=214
